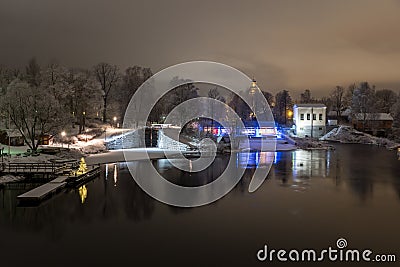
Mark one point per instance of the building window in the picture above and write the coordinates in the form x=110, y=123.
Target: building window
x=320, y=128
x=308, y=116
x=302, y=116
x=314, y=117
x=320, y=116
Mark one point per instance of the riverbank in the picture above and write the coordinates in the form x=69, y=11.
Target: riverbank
x=348, y=135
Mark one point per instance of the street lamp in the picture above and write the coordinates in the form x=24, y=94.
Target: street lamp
x=115, y=120
x=84, y=119
x=63, y=134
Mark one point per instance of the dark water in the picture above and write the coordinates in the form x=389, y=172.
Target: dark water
x=310, y=199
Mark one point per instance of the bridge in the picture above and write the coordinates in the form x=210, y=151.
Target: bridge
x=165, y=141
x=134, y=154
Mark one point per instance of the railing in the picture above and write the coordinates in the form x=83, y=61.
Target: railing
x=22, y=167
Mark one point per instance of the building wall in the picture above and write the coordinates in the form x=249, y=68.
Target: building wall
x=376, y=124
x=375, y=127
x=302, y=117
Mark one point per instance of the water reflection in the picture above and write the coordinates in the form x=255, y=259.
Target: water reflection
x=250, y=160
x=115, y=175
x=82, y=193
x=363, y=170
x=123, y=218
x=307, y=164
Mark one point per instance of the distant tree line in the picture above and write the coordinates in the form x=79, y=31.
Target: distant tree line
x=361, y=98
x=46, y=99
x=43, y=99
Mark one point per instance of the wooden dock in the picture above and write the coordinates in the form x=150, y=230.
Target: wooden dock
x=42, y=192
x=45, y=191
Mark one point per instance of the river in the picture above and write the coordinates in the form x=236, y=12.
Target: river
x=309, y=200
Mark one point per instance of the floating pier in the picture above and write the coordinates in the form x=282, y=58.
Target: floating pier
x=37, y=195
x=40, y=193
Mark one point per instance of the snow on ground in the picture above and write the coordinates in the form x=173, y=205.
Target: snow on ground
x=309, y=143
x=348, y=135
x=67, y=151
x=41, y=158
x=10, y=178
x=95, y=145
x=13, y=150
x=282, y=145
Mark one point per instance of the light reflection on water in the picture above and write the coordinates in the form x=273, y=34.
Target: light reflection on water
x=309, y=200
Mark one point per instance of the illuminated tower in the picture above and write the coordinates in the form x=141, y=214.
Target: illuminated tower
x=253, y=89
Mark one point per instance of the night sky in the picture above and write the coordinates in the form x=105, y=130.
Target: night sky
x=293, y=45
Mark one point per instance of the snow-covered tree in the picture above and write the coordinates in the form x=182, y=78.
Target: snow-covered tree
x=348, y=95
x=53, y=78
x=127, y=86
x=33, y=73
x=7, y=75
x=84, y=97
x=363, y=101
x=34, y=111
x=395, y=110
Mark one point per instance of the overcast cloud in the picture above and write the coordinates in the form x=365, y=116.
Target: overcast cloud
x=283, y=44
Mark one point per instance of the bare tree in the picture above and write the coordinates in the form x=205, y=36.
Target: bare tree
x=385, y=99
x=269, y=97
x=363, y=101
x=396, y=111
x=107, y=75
x=306, y=97
x=33, y=110
x=348, y=96
x=282, y=105
x=337, y=96
x=33, y=73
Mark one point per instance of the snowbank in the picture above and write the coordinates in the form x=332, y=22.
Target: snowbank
x=348, y=135
x=10, y=178
x=309, y=143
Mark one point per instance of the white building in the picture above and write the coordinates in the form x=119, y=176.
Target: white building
x=309, y=120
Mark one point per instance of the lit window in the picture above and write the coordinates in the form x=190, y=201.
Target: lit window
x=302, y=116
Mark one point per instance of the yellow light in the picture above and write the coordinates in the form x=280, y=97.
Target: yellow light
x=290, y=113
x=83, y=193
x=253, y=87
